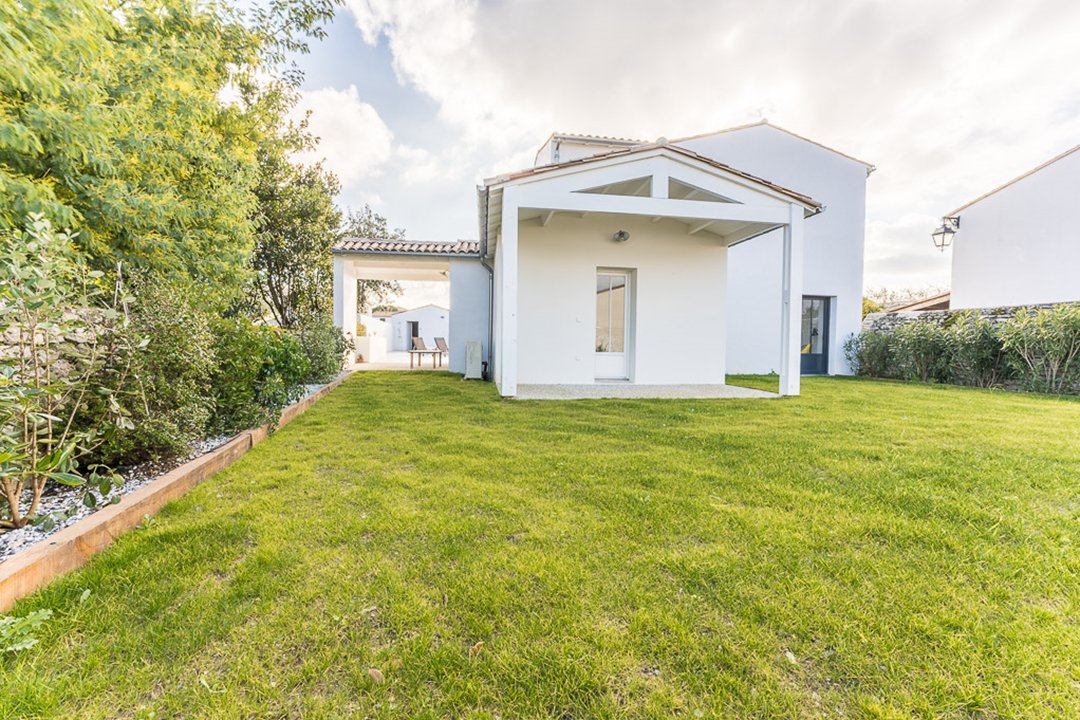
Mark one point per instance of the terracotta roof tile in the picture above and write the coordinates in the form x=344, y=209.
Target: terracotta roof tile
x=406, y=247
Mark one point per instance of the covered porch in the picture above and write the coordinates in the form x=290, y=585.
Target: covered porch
x=610, y=273
x=456, y=264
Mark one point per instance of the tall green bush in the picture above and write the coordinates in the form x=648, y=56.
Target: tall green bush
x=170, y=397
x=1044, y=347
x=921, y=350
x=63, y=346
x=870, y=353
x=259, y=371
x=324, y=345
x=976, y=355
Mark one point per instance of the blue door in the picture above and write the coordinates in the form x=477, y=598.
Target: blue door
x=815, y=335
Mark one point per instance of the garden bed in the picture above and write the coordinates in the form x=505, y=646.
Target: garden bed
x=59, y=498
x=28, y=563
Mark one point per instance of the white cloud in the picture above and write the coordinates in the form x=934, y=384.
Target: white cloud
x=353, y=140
x=417, y=293
x=947, y=99
x=420, y=165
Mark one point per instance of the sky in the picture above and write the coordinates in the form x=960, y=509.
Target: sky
x=416, y=101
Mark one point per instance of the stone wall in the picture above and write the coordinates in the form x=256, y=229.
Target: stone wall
x=887, y=322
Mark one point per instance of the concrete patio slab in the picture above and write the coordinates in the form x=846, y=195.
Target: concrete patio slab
x=629, y=390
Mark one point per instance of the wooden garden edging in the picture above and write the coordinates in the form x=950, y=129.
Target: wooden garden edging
x=73, y=546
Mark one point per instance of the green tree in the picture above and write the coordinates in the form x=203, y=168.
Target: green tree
x=296, y=226
x=112, y=123
x=366, y=223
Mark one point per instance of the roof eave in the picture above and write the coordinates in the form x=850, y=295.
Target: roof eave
x=338, y=251
x=955, y=213
x=501, y=181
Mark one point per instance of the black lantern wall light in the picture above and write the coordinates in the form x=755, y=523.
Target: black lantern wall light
x=943, y=236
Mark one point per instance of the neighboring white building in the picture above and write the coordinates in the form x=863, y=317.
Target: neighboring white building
x=1017, y=244
x=378, y=324
x=426, y=322
x=659, y=264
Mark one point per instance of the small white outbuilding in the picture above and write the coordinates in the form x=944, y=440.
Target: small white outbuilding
x=426, y=322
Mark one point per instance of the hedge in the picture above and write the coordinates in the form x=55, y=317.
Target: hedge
x=1030, y=348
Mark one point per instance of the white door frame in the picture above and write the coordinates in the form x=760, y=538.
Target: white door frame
x=610, y=366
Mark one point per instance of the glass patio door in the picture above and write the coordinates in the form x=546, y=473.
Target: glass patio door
x=612, y=313
x=815, y=335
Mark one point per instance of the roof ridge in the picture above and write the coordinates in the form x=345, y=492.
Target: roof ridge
x=765, y=122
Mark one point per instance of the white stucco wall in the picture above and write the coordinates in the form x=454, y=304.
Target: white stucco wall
x=377, y=326
x=833, y=263
x=434, y=322
x=469, y=290
x=1021, y=245
x=678, y=333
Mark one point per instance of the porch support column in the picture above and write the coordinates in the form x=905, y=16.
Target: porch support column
x=791, y=303
x=508, y=285
x=345, y=300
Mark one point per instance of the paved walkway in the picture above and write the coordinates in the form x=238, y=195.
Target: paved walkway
x=400, y=361
x=629, y=390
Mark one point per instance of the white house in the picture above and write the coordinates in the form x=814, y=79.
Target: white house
x=1017, y=244
x=656, y=265
x=426, y=322
x=833, y=269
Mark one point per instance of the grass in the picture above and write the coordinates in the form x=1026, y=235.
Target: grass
x=871, y=549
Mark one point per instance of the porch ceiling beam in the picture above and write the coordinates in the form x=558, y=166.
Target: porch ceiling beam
x=539, y=199
x=698, y=227
x=545, y=218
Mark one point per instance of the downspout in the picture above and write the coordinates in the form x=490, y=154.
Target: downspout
x=491, y=283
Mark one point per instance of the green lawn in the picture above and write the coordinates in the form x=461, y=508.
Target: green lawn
x=870, y=549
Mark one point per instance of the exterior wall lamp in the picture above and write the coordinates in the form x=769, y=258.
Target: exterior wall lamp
x=621, y=236
x=943, y=236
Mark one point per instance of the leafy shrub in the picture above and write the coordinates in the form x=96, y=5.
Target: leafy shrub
x=259, y=371
x=170, y=397
x=16, y=633
x=976, y=355
x=324, y=345
x=64, y=345
x=869, y=353
x=1044, y=347
x=921, y=350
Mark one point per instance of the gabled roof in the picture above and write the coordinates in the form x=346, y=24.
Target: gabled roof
x=421, y=307
x=500, y=180
x=373, y=246
x=606, y=140
x=1016, y=179
x=870, y=167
